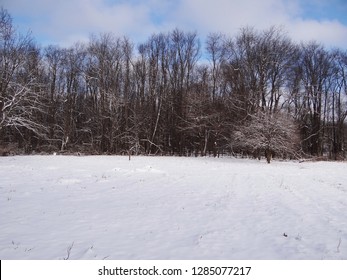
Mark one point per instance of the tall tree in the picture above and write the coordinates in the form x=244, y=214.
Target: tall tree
x=20, y=98
x=316, y=66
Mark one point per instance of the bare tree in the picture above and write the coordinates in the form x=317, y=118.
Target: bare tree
x=315, y=70
x=183, y=54
x=105, y=72
x=337, y=105
x=215, y=46
x=20, y=98
x=54, y=74
x=270, y=134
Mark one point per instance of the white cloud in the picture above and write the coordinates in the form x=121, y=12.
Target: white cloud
x=330, y=33
x=64, y=22
x=228, y=16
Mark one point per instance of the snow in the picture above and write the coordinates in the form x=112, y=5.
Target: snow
x=107, y=207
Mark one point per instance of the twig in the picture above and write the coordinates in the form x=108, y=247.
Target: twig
x=69, y=251
x=338, y=246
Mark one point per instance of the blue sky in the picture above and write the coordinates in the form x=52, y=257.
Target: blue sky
x=65, y=22
x=325, y=10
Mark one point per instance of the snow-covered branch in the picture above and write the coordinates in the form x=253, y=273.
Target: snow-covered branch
x=267, y=133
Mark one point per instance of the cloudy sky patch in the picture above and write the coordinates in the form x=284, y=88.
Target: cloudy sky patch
x=67, y=21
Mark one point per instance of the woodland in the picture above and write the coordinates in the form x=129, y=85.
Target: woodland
x=257, y=93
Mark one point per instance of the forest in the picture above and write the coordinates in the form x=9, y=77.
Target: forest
x=257, y=93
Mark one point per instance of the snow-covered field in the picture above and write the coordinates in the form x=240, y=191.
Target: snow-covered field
x=107, y=207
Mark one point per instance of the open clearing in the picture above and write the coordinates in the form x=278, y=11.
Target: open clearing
x=107, y=207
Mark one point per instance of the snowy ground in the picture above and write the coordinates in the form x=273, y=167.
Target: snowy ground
x=107, y=207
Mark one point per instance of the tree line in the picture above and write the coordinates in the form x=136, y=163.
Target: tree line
x=256, y=93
